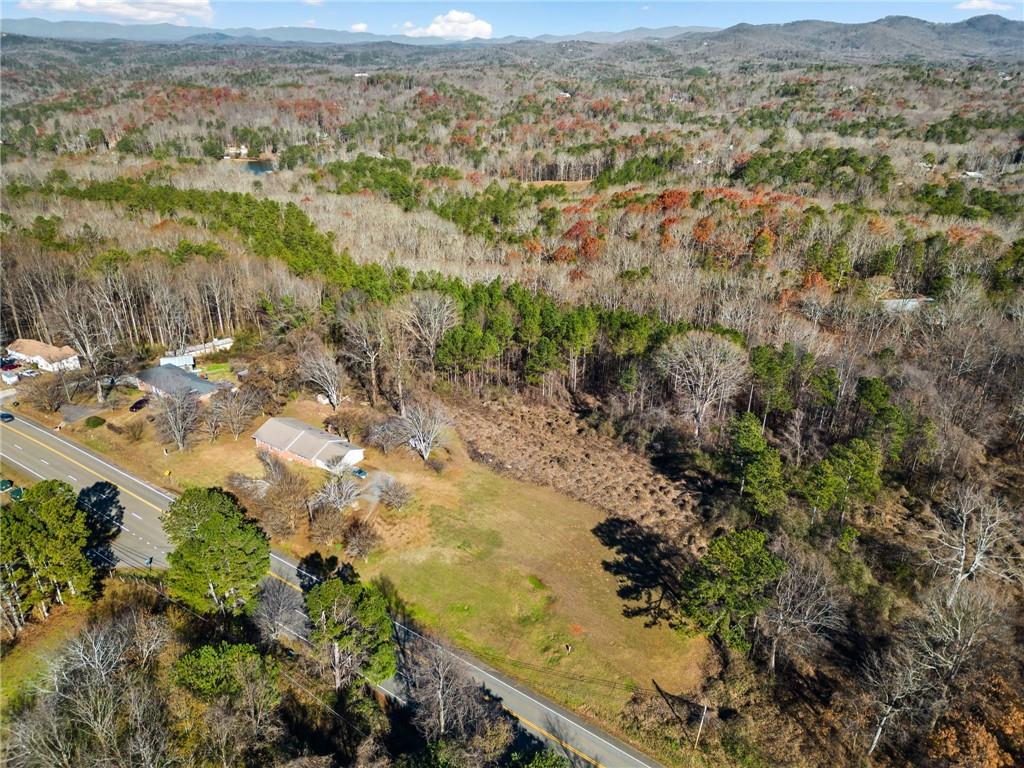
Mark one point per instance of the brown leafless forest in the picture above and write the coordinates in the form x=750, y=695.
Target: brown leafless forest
x=768, y=314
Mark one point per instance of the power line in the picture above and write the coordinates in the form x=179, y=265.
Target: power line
x=499, y=657
x=491, y=655
x=206, y=620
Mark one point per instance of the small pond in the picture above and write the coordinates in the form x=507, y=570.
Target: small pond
x=260, y=167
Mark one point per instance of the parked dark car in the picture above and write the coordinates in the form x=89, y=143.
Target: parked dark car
x=139, y=404
x=6, y=417
x=360, y=473
x=10, y=366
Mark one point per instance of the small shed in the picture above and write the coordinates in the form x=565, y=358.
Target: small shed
x=297, y=441
x=208, y=347
x=164, y=380
x=44, y=356
x=185, y=362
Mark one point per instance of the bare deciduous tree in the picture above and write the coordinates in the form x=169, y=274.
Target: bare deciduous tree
x=950, y=636
x=178, y=415
x=327, y=526
x=235, y=409
x=280, y=612
x=319, y=367
x=134, y=430
x=398, y=356
x=394, y=494
x=93, y=707
x=360, y=536
x=422, y=425
x=365, y=338
x=337, y=493
x=429, y=315
x=805, y=608
x=703, y=369
x=278, y=497
x=449, y=703
x=44, y=393
x=149, y=635
x=257, y=702
x=385, y=436
x=896, y=681
x=972, y=540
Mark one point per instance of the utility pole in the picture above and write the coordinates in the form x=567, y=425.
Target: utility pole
x=701, y=728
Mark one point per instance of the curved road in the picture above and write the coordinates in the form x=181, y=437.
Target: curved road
x=42, y=453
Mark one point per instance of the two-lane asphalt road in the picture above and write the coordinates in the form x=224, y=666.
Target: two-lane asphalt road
x=40, y=452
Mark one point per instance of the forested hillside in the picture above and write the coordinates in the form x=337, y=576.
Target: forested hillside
x=790, y=293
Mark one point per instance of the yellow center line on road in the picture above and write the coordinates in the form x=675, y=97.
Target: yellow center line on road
x=529, y=724
x=121, y=487
x=553, y=738
x=285, y=581
x=87, y=469
x=533, y=726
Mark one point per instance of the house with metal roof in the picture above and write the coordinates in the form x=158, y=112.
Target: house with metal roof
x=297, y=441
x=167, y=379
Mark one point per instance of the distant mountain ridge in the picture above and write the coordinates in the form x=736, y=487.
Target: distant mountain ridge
x=172, y=33
x=893, y=37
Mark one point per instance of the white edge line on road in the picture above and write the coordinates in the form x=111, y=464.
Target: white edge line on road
x=42, y=477
x=557, y=714
x=298, y=570
x=290, y=564
x=94, y=457
x=19, y=464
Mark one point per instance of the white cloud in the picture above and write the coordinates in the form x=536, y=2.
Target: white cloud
x=147, y=11
x=312, y=2
x=308, y=23
x=983, y=5
x=454, y=25
x=360, y=27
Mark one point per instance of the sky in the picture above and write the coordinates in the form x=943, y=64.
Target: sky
x=462, y=20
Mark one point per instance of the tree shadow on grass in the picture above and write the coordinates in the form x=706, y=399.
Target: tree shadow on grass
x=649, y=569
x=104, y=515
x=408, y=633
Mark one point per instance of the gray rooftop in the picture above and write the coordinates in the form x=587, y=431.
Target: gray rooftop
x=294, y=436
x=173, y=380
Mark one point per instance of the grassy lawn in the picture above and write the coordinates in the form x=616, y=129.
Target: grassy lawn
x=19, y=477
x=27, y=658
x=512, y=572
x=508, y=570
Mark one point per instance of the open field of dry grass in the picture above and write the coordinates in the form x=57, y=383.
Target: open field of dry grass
x=514, y=572
x=509, y=570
